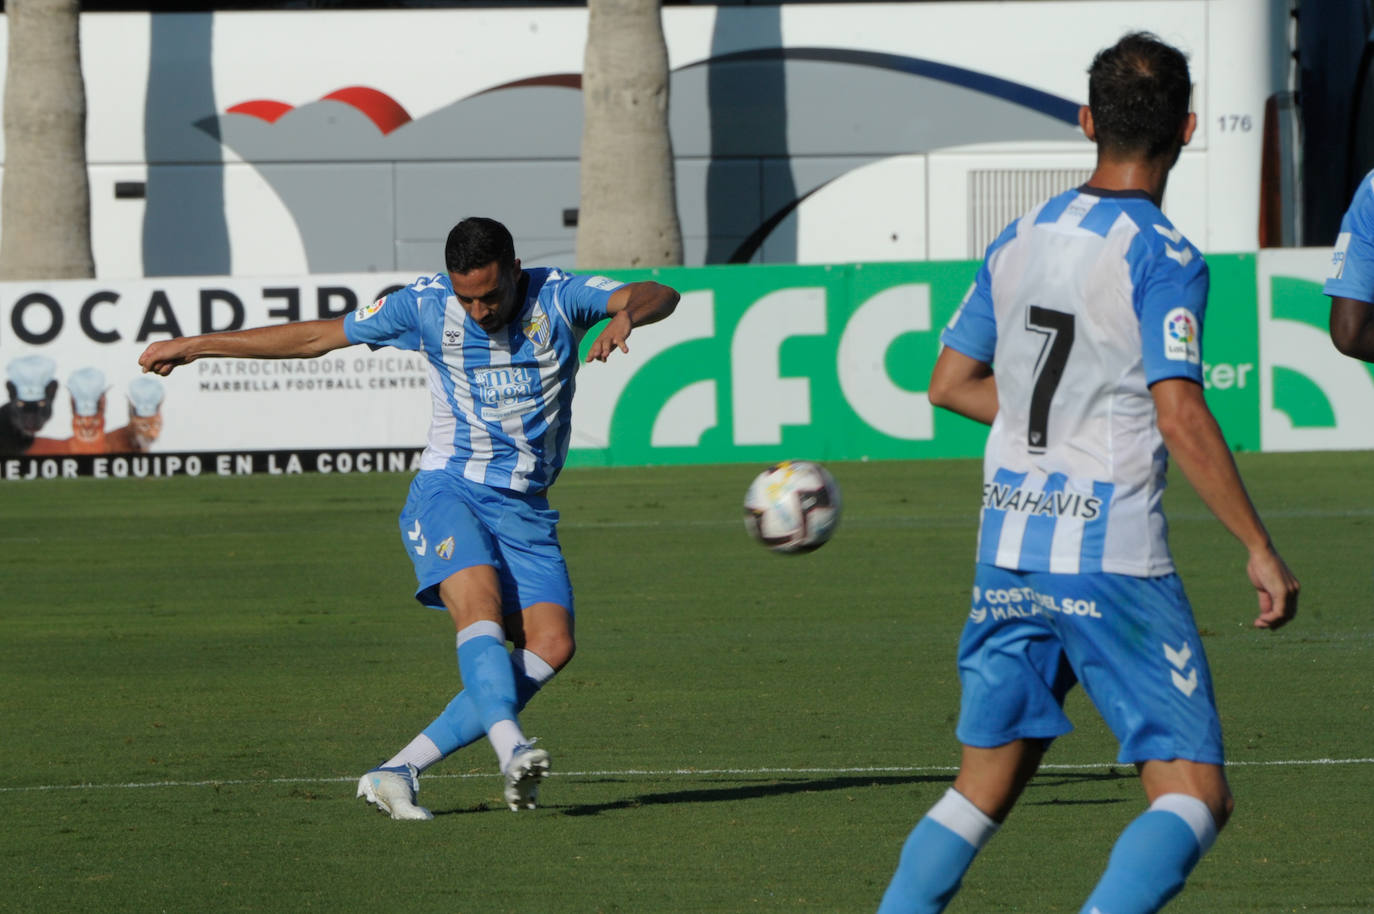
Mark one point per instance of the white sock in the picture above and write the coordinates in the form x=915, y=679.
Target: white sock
x=955, y=812
x=534, y=667
x=420, y=752
x=505, y=735
x=1195, y=813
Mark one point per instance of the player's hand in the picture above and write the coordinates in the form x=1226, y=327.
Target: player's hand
x=1276, y=587
x=612, y=338
x=161, y=357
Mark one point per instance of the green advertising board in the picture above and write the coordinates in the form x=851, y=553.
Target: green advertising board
x=832, y=363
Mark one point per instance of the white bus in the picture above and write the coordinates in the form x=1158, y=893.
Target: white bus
x=306, y=142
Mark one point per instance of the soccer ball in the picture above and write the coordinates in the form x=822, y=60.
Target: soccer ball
x=793, y=506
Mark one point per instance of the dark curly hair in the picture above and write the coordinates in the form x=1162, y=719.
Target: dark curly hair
x=476, y=242
x=1138, y=92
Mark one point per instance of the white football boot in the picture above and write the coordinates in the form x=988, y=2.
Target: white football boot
x=393, y=790
x=526, y=768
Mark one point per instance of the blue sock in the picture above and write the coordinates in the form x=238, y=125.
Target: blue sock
x=1153, y=857
x=460, y=724
x=488, y=680
x=936, y=855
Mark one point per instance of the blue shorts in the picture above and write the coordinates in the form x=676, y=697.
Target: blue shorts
x=450, y=523
x=1132, y=642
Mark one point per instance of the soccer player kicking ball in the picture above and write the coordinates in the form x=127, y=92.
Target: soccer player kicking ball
x=1080, y=344
x=502, y=343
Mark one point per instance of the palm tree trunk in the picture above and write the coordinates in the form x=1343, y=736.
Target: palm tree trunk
x=628, y=212
x=45, y=211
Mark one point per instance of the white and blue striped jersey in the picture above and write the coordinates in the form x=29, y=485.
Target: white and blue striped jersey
x=1352, y=260
x=1080, y=306
x=502, y=412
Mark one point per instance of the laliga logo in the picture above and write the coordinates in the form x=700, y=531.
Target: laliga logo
x=1181, y=327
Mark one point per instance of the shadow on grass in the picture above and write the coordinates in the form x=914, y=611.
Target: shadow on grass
x=783, y=787
x=772, y=787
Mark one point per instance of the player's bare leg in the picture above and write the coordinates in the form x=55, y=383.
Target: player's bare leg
x=992, y=779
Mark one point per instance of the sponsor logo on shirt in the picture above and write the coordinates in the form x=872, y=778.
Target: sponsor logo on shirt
x=366, y=311
x=1000, y=497
x=453, y=336
x=1338, y=256
x=1181, y=336
x=604, y=283
x=504, y=391
x=1079, y=207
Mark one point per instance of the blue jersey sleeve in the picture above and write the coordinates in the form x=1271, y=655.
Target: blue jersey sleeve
x=973, y=328
x=392, y=320
x=1171, y=284
x=1352, y=260
x=583, y=298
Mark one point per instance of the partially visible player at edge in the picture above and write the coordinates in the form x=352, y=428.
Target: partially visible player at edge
x=1079, y=344
x=502, y=344
x=1351, y=283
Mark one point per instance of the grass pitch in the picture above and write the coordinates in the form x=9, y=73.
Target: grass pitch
x=196, y=671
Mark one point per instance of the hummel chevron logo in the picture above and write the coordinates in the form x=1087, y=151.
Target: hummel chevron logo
x=420, y=548
x=1173, y=235
x=1184, y=256
x=1179, y=658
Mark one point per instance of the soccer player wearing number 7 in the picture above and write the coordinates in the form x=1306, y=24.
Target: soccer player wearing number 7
x=502, y=344
x=1080, y=344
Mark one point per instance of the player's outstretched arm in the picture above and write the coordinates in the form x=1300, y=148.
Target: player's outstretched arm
x=963, y=384
x=298, y=340
x=1196, y=444
x=1352, y=327
x=630, y=306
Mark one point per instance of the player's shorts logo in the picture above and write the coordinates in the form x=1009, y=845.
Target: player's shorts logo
x=445, y=549
x=1178, y=659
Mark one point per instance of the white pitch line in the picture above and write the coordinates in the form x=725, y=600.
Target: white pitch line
x=645, y=772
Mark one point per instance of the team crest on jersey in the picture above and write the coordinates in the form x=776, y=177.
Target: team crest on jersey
x=366, y=311
x=537, y=328
x=1181, y=336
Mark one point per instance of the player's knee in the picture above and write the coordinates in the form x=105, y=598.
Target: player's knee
x=1221, y=812
x=1216, y=793
x=555, y=649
